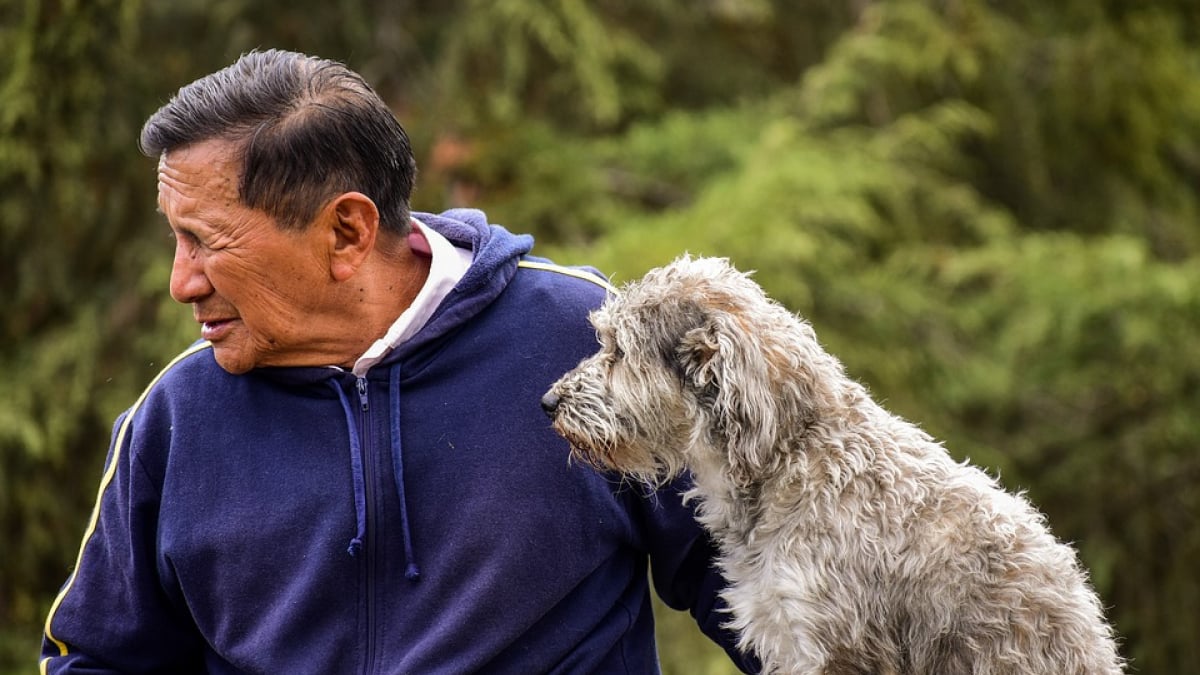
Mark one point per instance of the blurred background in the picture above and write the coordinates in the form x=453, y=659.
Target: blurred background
x=988, y=209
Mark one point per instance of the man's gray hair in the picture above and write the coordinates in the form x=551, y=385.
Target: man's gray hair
x=309, y=129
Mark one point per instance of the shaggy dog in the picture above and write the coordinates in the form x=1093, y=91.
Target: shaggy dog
x=851, y=541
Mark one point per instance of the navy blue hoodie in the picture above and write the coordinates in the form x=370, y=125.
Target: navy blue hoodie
x=422, y=519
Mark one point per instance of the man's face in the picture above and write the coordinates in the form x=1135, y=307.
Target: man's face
x=249, y=283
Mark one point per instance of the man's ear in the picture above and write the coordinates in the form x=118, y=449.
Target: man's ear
x=353, y=227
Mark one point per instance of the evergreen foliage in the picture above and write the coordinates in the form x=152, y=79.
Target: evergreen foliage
x=987, y=209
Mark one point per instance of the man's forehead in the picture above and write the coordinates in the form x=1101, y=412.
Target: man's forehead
x=220, y=155
x=206, y=168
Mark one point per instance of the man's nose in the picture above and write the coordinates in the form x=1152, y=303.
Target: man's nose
x=550, y=403
x=189, y=283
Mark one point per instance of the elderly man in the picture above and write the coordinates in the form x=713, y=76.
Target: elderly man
x=350, y=471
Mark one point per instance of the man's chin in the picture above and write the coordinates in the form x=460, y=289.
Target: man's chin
x=232, y=361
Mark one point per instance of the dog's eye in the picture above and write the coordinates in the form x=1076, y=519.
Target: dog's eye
x=617, y=352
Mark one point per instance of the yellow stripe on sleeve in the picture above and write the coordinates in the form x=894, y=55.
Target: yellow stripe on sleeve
x=569, y=271
x=104, y=483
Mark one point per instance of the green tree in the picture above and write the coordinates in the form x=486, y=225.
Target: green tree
x=77, y=262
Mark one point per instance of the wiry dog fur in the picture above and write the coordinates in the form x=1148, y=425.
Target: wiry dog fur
x=852, y=542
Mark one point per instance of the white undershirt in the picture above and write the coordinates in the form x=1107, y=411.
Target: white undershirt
x=447, y=266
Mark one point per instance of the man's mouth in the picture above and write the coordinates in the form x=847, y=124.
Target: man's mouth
x=215, y=329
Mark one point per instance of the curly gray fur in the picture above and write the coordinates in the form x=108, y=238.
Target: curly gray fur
x=852, y=542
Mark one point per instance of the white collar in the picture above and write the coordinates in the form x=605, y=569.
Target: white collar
x=447, y=266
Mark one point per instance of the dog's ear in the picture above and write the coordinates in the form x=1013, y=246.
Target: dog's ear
x=724, y=364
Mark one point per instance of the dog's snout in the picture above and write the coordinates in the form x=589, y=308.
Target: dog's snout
x=550, y=403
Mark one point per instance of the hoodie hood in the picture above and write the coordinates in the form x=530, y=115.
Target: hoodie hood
x=495, y=254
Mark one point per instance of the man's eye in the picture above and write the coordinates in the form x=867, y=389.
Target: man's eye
x=190, y=237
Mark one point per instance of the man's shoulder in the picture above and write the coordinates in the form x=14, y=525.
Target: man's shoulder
x=196, y=358
x=196, y=361
x=590, y=278
x=570, y=288
x=192, y=370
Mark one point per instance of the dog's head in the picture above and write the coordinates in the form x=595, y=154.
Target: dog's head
x=695, y=362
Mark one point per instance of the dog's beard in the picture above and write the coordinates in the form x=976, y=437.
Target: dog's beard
x=595, y=452
x=597, y=443
x=585, y=420
x=591, y=433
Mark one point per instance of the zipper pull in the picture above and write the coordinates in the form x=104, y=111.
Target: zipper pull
x=362, y=392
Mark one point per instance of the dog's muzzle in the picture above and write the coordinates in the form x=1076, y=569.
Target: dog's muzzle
x=550, y=404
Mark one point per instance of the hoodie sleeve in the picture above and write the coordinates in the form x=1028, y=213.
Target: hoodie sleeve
x=112, y=615
x=683, y=566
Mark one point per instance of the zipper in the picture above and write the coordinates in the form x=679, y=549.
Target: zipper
x=361, y=385
x=368, y=462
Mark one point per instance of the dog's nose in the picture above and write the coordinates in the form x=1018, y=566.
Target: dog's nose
x=550, y=403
